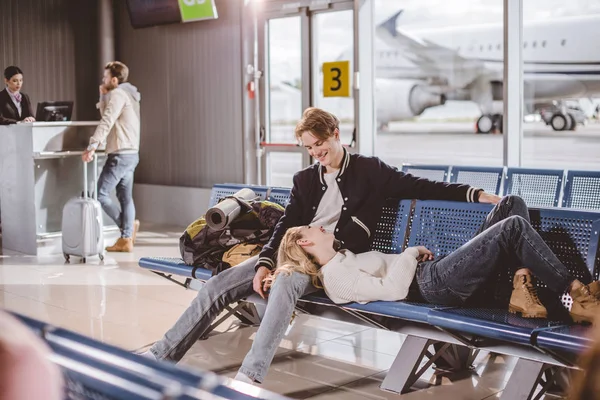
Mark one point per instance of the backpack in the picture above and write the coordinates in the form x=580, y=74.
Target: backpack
x=204, y=247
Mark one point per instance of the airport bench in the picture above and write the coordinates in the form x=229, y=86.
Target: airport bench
x=95, y=370
x=442, y=227
x=486, y=178
x=582, y=190
x=432, y=172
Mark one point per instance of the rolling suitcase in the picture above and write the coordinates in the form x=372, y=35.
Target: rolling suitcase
x=82, y=227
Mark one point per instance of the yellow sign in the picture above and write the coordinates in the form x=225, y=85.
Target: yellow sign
x=336, y=79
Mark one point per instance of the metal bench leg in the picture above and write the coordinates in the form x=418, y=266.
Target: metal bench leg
x=524, y=380
x=405, y=369
x=245, y=312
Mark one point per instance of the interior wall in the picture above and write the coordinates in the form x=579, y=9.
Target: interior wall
x=190, y=78
x=55, y=43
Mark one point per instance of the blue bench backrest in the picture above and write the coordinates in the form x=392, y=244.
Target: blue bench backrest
x=223, y=190
x=391, y=230
x=444, y=226
x=573, y=237
x=280, y=195
x=432, y=172
x=486, y=178
x=582, y=190
x=538, y=187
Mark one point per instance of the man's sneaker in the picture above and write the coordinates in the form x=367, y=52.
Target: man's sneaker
x=123, y=245
x=524, y=298
x=586, y=306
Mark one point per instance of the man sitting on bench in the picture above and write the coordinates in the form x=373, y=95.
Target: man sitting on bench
x=505, y=240
x=344, y=193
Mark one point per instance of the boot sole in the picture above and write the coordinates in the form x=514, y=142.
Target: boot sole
x=518, y=310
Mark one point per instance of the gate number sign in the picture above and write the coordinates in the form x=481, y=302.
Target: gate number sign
x=336, y=79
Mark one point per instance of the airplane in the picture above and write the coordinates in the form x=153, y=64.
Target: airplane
x=424, y=68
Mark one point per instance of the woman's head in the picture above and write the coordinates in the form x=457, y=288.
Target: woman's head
x=300, y=249
x=13, y=78
x=319, y=132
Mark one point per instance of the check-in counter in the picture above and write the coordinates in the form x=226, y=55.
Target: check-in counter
x=40, y=169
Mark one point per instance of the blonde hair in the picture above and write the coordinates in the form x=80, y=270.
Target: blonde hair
x=320, y=123
x=291, y=257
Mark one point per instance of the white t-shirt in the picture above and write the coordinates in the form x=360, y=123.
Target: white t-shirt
x=330, y=206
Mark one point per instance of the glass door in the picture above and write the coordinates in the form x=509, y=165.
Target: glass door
x=305, y=49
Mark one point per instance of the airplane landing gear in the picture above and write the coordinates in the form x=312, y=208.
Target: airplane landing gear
x=489, y=123
x=563, y=122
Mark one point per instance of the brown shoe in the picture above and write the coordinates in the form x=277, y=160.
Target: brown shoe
x=123, y=245
x=524, y=298
x=136, y=228
x=595, y=289
x=585, y=305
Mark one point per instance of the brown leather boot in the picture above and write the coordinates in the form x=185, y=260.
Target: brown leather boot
x=123, y=245
x=524, y=298
x=136, y=228
x=595, y=289
x=585, y=305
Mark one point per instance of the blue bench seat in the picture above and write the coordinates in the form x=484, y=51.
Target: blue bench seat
x=493, y=324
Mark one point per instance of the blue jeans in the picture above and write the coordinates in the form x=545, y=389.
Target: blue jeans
x=230, y=286
x=505, y=240
x=118, y=173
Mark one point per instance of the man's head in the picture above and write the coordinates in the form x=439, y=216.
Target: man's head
x=115, y=73
x=319, y=133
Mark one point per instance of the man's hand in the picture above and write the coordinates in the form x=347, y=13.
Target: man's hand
x=257, y=283
x=103, y=90
x=88, y=155
x=424, y=254
x=489, y=198
x=29, y=119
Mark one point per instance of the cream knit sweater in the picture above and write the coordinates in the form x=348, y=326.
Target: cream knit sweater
x=370, y=276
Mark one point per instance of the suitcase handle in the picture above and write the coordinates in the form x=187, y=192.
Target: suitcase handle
x=95, y=175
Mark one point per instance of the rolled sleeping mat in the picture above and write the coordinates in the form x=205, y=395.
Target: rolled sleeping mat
x=219, y=216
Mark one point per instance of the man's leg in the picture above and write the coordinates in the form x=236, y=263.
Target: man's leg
x=227, y=287
x=125, y=194
x=107, y=182
x=283, y=296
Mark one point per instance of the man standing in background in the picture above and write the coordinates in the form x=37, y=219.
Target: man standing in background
x=120, y=128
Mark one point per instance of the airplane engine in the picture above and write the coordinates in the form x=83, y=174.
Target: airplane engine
x=402, y=99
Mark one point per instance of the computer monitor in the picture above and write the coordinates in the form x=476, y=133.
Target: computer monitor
x=54, y=111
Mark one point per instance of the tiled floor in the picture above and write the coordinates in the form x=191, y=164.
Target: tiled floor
x=119, y=303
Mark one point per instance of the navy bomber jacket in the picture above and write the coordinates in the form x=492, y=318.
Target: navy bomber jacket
x=365, y=183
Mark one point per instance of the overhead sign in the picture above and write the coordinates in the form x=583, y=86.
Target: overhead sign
x=197, y=10
x=336, y=79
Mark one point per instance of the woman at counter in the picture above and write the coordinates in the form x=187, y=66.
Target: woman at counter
x=15, y=105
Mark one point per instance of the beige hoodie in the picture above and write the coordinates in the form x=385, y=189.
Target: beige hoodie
x=120, y=122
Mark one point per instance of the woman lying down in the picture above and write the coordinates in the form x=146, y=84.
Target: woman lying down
x=506, y=238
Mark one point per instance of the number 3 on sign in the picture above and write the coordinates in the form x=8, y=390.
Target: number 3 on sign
x=336, y=79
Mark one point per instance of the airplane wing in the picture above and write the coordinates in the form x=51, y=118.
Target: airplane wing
x=441, y=63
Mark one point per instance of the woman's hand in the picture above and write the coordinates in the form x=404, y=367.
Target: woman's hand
x=424, y=254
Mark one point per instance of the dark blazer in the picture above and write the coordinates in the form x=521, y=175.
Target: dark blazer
x=8, y=110
x=365, y=183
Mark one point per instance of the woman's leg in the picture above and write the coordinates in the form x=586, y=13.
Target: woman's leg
x=511, y=241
